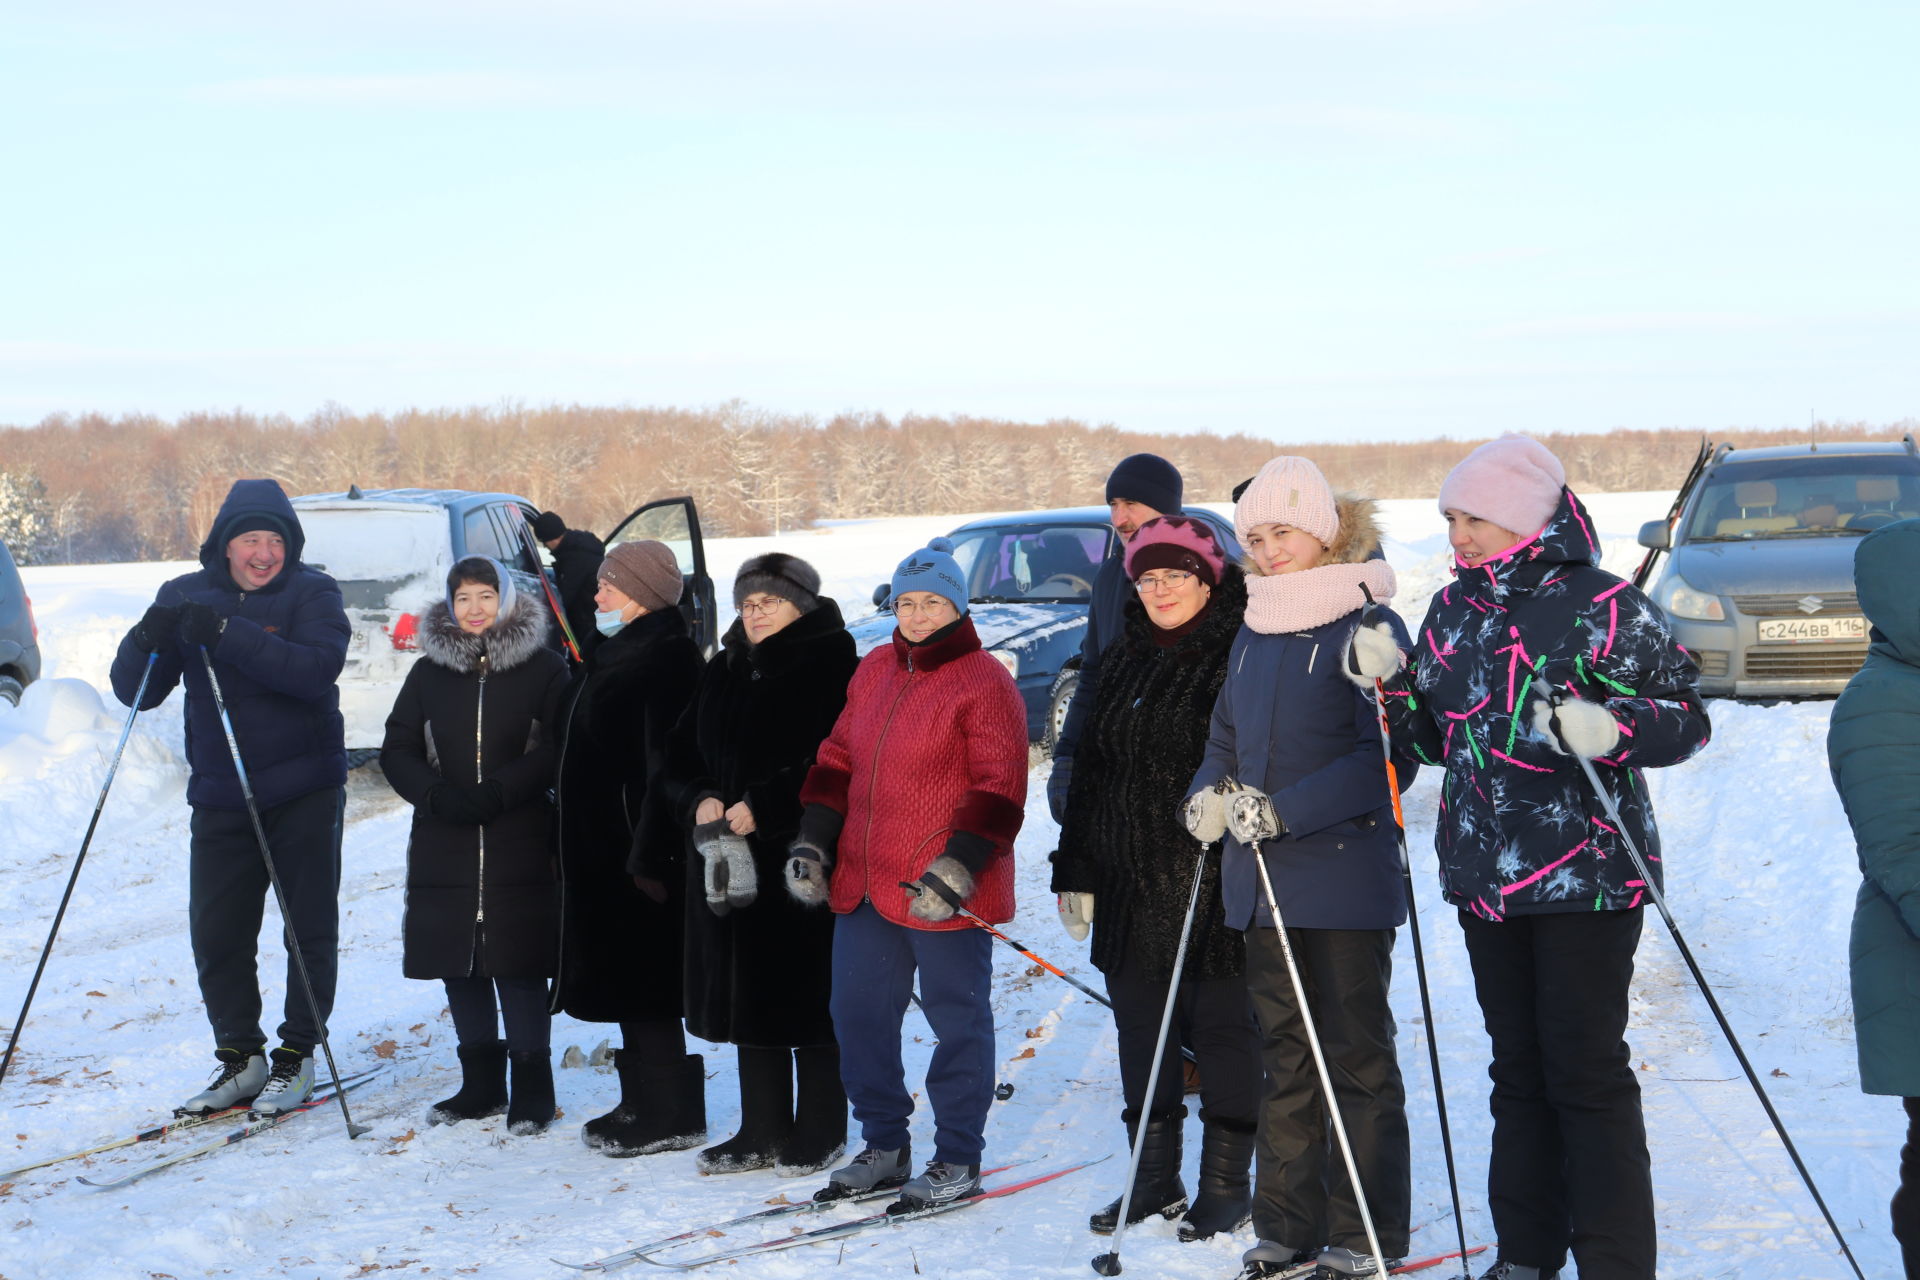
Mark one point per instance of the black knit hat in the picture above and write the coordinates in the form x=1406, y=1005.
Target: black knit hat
x=778, y=574
x=1148, y=478
x=548, y=525
x=254, y=522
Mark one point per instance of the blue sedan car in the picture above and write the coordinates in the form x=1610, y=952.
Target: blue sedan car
x=1030, y=584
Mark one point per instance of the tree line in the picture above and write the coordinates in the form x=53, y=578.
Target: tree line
x=82, y=488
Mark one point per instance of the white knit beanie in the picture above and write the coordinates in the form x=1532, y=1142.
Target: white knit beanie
x=1289, y=491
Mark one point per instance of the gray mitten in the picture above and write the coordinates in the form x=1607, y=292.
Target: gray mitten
x=942, y=890
x=729, y=874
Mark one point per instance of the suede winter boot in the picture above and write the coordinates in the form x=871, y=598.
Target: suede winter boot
x=530, y=1107
x=819, y=1115
x=663, y=1107
x=1225, y=1201
x=1157, y=1187
x=483, y=1085
x=766, y=1113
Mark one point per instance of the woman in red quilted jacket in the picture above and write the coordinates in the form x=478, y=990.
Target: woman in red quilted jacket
x=923, y=782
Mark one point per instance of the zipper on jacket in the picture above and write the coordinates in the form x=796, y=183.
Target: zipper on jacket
x=873, y=775
x=479, y=775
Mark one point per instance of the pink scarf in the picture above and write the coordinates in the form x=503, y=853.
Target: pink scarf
x=1314, y=597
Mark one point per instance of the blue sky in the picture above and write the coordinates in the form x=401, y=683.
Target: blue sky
x=1350, y=219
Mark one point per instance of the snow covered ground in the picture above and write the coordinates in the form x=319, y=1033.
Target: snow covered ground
x=1762, y=879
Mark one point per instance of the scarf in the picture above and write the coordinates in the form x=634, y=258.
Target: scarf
x=1314, y=597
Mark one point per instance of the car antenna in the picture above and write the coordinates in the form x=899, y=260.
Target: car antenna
x=1813, y=433
x=354, y=494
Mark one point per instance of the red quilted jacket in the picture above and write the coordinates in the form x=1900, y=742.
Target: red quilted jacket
x=933, y=741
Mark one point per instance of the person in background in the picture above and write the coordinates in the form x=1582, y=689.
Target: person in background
x=576, y=567
x=470, y=745
x=276, y=631
x=922, y=782
x=1873, y=749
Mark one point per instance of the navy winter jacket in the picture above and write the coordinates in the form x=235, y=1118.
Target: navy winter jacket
x=278, y=660
x=1520, y=830
x=1106, y=623
x=1289, y=722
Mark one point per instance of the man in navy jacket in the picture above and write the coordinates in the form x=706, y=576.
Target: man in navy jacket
x=277, y=632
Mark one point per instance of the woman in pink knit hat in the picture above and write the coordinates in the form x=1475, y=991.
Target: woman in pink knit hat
x=1534, y=655
x=1296, y=746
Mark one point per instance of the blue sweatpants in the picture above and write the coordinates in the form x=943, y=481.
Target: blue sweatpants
x=874, y=961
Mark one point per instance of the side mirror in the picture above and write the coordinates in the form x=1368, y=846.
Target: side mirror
x=880, y=594
x=1656, y=535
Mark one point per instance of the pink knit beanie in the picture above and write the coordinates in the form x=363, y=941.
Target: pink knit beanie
x=1176, y=542
x=1292, y=492
x=1514, y=481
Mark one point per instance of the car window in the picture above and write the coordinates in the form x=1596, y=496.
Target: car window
x=666, y=523
x=482, y=538
x=373, y=552
x=513, y=535
x=1055, y=562
x=1838, y=494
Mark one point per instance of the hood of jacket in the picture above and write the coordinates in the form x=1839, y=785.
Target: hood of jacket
x=792, y=646
x=516, y=635
x=1883, y=575
x=253, y=498
x=1565, y=540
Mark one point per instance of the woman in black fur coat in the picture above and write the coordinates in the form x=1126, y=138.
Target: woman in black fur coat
x=469, y=744
x=758, y=963
x=1124, y=851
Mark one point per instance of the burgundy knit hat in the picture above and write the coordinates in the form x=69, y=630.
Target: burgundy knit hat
x=1176, y=542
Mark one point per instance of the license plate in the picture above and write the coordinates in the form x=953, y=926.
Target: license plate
x=357, y=641
x=1812, y=630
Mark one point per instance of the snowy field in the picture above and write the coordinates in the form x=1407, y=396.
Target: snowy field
x=1762, y=877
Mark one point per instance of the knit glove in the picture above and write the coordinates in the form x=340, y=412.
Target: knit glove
x=1251, y=817
x=156, y=627
x=730, y=878
x=1076, y=913
x=1576, y=727
x=1373, y=654
x=201, y=624
x=941, y=890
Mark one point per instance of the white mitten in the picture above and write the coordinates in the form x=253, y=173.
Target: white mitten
x=1577, y=728
x=1372, y=654
x=1076, y=914
x=1251, y=817
x=1205, y=815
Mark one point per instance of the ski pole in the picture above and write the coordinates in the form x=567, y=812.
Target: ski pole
x=1108, y=1263
x=1726, y=1028
x=1419, y=953
x=279, y=894
x=559, y=615
x=1319, y=1058
x=126, y=731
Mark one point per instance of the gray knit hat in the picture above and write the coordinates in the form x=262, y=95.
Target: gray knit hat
x=645, y=572
x=778, y=574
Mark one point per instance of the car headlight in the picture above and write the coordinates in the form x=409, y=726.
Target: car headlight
x=1682, y=601
x=1007, y=659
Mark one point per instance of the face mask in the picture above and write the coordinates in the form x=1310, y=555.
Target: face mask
x=609, y=622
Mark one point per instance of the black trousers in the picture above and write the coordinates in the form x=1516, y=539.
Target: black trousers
x=1906, y=1201
x=1570, y=1169
x=521, y=1004
x=1213, y=1017
x=227, y=894
x=1302, y=1196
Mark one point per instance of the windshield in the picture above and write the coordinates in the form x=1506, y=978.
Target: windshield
x=1814, y=496
x=373, y=553
x=1054, y=562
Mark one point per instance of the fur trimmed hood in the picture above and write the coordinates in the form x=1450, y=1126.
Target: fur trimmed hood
x=1357, y=542
x=518, y=634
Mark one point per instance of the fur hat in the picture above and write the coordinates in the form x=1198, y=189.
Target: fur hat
x=932, y=568
x=1176, y=542
x=548, y=525
x=1147, y=478
x=646, y=572
x=1289, y=491
x=778, y=574
x=1514, y=481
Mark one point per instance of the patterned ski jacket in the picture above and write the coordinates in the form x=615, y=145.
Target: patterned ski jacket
x=1520, y=832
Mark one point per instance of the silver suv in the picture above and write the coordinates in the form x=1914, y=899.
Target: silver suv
x=1758, y=579
x=19, y=637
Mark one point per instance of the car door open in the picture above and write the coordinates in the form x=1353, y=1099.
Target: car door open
x=676, y=522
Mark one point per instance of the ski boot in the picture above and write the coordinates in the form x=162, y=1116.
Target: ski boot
x=242, y=1073
x=1270, y=1261
x=1339, y=1263
x=874, y=1169
x=1514, y=1271
x=289, y=1083
x=942, y=1182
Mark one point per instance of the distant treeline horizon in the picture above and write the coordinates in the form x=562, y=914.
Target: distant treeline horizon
x=88, y=488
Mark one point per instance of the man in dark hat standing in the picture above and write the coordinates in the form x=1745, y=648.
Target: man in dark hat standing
x=576, y=564
x=1141, y=487
x=277, y=633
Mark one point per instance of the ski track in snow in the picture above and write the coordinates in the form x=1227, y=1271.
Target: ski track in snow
x=1761, y=875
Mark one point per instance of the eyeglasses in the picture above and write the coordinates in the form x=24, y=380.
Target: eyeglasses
x=1171, y=580
x=763, y=608
x=932, y=608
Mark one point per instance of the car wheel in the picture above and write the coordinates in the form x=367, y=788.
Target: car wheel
x=1057, y=703
x=10, y=690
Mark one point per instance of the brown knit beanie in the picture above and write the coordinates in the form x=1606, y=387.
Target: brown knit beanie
x=645, y=572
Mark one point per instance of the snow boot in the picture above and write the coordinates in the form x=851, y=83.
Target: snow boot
x=1156, y=1187
x=1504, y=1270
x=766, y=1113
x=289, y=1082
x=820, y=1114
x=530, y=1106
x=1270, y=1261
x=663, y=1107
x=1337, y=1262
x=874, y=1169
x=1225, y=1202
x=242, y=1072
x=941, y=1182
x=483, y=1085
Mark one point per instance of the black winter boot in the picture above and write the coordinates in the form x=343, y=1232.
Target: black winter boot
x=663, y=1107
x=1225, y=1202
x=483, y=1085
x=1157, y=1187
x=819, y=1115
x=531, y=1109
x=766, y=1113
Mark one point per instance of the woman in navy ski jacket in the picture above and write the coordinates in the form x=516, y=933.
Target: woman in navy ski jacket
x=1548, y=896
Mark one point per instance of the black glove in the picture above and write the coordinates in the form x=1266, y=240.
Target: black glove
x=201, y=624
x=156, y=627
x=1059, y=784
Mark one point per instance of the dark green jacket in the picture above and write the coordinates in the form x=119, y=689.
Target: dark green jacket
x=1873, y=747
